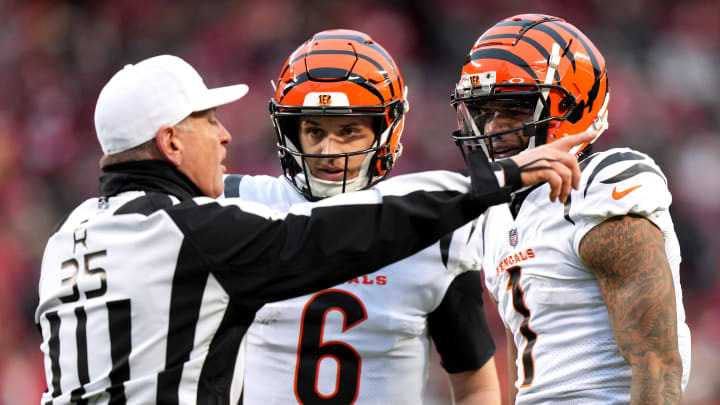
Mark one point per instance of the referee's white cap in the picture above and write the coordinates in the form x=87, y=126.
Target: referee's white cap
x=142, y=98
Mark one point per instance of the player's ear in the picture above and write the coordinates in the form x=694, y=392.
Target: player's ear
x=169, y=144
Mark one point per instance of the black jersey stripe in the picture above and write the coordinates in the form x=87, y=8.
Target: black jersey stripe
x=501, y=54
x=632, y=171
x=519, y=198
x=445, y=248
x=232, y=185
x=566, y=210
x=119, y=326
x=568, y=204
x=585, y=162
x=458, y=326
x=185, y=302
x=82, y=356
x=473, y=227
x=54, y=351
x=614, y=158
x=222, y=355
x=145, y=205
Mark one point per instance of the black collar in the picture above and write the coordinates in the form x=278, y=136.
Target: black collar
x=147, y=175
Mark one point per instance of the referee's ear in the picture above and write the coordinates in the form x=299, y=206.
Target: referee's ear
x=169, y=144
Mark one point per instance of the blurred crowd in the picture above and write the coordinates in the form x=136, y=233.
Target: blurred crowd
x=663, y=59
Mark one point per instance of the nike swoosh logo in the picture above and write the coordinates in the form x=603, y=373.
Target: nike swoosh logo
x=620, y=194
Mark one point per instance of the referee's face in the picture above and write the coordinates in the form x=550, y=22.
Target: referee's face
x=203, y=139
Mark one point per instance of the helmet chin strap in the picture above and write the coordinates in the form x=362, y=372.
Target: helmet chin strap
x=552, y=67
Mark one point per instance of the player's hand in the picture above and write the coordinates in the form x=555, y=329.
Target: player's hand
x=553, y=164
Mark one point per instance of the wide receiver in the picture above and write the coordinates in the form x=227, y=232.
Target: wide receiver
x=589, y=290
x=338, y=111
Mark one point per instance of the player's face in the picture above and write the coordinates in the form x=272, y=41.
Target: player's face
x=496, y=118
x=204, y=138
x=333, y=135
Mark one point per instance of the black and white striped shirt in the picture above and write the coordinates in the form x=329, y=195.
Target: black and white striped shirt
x=146, y=292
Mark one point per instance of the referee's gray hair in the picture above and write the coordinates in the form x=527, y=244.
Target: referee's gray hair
x=145, y=151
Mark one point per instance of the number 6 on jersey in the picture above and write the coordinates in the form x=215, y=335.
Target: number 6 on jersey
x=312, y=350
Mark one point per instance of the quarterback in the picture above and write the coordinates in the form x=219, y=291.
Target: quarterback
x=588, y=290
x=338, y=112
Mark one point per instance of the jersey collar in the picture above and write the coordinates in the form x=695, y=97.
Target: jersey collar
x=147, y=175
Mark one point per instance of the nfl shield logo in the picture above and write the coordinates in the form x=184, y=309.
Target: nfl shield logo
x=513, y=236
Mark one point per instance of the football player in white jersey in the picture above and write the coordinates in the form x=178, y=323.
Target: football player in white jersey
x=588, y=290
x=338, y=112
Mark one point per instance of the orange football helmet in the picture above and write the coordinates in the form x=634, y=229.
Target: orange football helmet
x=339, y=73
x=535, y=63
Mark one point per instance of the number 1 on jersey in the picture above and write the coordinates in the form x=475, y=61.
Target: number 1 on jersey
x=518, y=301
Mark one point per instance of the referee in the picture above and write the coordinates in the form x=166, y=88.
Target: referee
x=146, y=291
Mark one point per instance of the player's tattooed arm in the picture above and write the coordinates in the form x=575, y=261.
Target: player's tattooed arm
x=627, y=254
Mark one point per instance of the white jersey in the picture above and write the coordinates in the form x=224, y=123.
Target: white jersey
x=552, y=302
x=366, y=341
x=146, y=292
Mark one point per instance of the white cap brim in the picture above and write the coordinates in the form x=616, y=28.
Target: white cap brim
x=220, y=96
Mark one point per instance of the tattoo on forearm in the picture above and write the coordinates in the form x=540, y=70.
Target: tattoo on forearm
x=628, y=257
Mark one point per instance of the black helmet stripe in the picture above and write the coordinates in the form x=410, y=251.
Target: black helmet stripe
x=591, y=54
x=354, y=78
x=361, y=40
x=287, y=65
x=593, y=93
x=545, y=54
x=559, y=39
x=364, y=83
x=322, y=52
x=527, y=24
x=542, y=51
x=513, y=23
x=501, y=54
x=339, y=52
